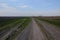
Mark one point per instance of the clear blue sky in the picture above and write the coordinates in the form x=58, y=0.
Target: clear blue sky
x=29, y=7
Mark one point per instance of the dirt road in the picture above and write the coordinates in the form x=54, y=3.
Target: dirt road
x=36, y=32
x=32, y=32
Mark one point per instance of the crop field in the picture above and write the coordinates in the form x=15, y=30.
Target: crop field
x=51, y=20
x=11, y=27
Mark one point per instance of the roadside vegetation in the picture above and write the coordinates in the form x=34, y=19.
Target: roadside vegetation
x=9, y=23
x=19, y=30
x=7, y=20
x=13, y=25
x=55, y=21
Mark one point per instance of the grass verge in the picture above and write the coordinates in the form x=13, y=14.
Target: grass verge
x=51, y=21
x=20, y=29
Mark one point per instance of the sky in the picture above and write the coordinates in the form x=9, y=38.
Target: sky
x=29, y=7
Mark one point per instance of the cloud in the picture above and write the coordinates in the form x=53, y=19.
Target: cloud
x=7, y=10
x=12, y=11
x=3, y=5
x=55, y=12
x=24, y=6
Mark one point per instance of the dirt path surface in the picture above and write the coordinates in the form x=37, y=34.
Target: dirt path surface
x=53, y=30
x=36, y=33
x=32, y=32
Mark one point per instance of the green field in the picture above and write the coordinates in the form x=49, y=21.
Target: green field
x=54, y=21
x=17, y=24
x=20, y=28
x=8, y=23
